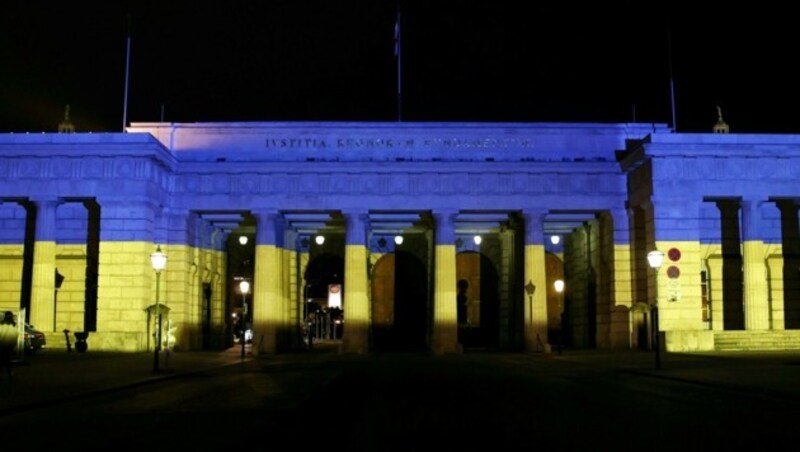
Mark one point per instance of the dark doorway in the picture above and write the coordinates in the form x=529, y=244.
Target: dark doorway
x=322, y=271
x=411, y=296
x=207, y=340
x=732, y=278
x=790, y=233
x=399, y=303
x=477, y=292
x=320, y=320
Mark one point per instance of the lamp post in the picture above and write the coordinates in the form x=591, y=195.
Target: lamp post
x=530, y=288
x=159, y=261
x=244, y=287
x=559, y=286
x=59, y=280
x=655, y=259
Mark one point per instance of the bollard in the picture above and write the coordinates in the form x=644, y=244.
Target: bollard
x=69, y=345
x=80, y=341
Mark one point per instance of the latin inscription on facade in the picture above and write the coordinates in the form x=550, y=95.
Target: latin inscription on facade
x=388, y=143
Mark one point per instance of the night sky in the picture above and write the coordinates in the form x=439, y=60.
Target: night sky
x=482, y=61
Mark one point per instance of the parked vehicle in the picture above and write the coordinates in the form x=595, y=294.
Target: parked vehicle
x=34, y=339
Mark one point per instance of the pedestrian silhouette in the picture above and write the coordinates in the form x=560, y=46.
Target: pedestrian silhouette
x=461, y=299
x=8, y=342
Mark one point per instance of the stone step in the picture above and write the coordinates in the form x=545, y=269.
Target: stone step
x=756, y=340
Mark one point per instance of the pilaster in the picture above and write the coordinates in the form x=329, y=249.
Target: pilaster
x=714, y=264
x=621, y=279
x=756, y=294
x=268, y=310
x=535, y=274
x=355, y=337
x=445, y=317
x=44, y=265
x=775, y=275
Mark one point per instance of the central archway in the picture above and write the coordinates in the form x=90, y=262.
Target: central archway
x=321, y=272
x=399, y=303
x=478, y=301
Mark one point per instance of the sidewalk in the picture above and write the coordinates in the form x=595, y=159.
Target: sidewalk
x=54, y=375
x=773, y=373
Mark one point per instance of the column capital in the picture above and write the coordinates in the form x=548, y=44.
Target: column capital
x=534, y=214
x=444, y=224
x=266, y=215
x=356, y=223
x=353, y=216
x=46, y=200
x=46, y=217
x=534, y=226
x=444, y=213
x=269, y=227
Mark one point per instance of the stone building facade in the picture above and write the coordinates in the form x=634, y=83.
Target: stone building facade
x=440, y=236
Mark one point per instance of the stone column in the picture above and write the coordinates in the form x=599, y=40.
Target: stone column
x=444, y=338
x=714, y=264
x=535, y=274
x=621, y=280
x=44, y=266
x=267, y=291
x=294, y=308
x=355, y=337
x=775, y=275
x=756, y=295
x=790, y=275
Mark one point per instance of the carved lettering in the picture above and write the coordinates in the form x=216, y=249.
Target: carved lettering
x=399, y=142
x=296, y=143
x=484, y=143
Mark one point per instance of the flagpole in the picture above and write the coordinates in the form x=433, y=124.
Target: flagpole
x=399, y=54
x=671, y=80
x=127, y=73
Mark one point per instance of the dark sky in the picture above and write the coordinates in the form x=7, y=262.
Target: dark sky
x=297, y=60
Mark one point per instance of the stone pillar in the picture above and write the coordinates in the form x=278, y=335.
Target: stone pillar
x=536, y=274
x=218, y=288
x=44, y=266
x=756, y=295
x=444, y=338
x=715, y=293
x=775, y=275
x=355, y=337
x=790, y=252
x=267, y=299
x=294, y=308
x=288, y=263
x=185, y=303
x=621, y=280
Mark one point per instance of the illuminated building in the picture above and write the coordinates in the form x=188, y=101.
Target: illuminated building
x=722, y=207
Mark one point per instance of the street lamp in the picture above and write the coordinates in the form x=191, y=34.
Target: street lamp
x=244, y=287
x=530, y=288
x=559, y=286
x=159, y=261
x=655, y=259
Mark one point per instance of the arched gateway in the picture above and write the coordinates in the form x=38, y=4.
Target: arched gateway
x=440, y=234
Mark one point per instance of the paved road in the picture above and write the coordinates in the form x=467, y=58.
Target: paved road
x=474, y=401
